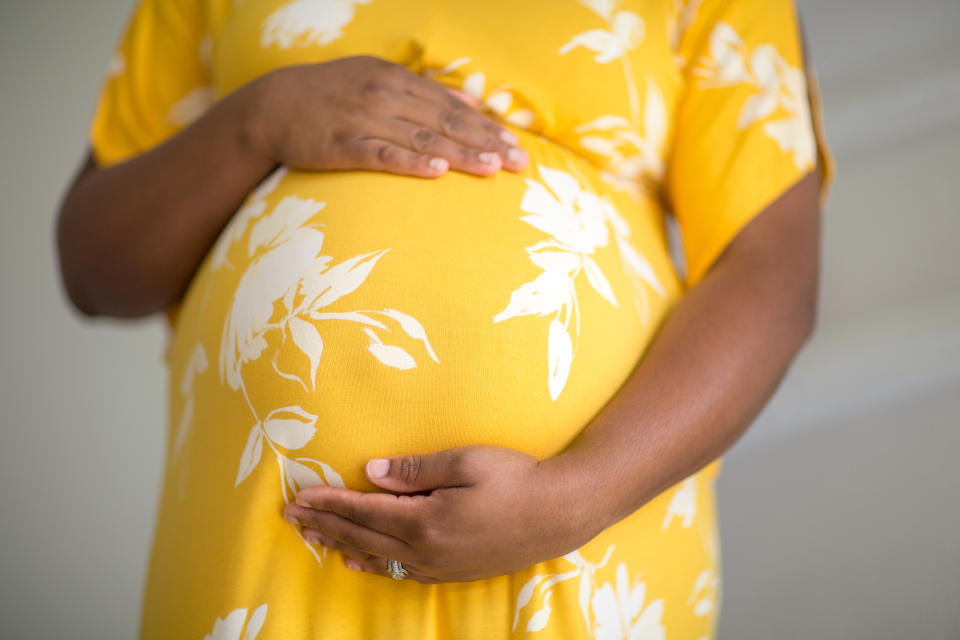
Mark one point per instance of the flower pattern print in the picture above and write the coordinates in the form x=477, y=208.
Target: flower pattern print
x=610, y=611
x=289, y=272
x=307, y=22
x=622, y=612
x=196, y=101
x=624, y=31
x=778, y=88
x=634, y=163
x=498, y=101
x=236, y=626
x=576, y=221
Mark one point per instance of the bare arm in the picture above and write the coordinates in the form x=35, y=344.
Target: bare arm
x=131, y=236
x=717, y=359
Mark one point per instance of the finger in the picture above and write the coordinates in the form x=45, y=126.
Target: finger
x=459, y=122
x=396, y=516
x=472, y=101
x=349, y=533
x=369, y=152
x=424, y=472
x=443, y=101
x=379, y=567
x=425, y=139
x=361, y=561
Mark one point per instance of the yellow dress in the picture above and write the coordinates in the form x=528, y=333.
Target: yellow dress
x=354, y=314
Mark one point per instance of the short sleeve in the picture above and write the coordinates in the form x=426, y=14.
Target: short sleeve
x=158, y=80
x=748, y=123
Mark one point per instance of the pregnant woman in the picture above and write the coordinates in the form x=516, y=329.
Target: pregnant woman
x=425, y=323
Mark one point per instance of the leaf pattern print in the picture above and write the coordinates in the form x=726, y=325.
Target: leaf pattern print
x=683, y=504
x=306, y=22
x=634, y=163
x=576, y=221
x=196, y=364
x=252, y=208
x=610, y=611
x=290, y=278
x=624, y=31
x=499, y=101
x=705, y=593
x=678, y=22
x=236, y=626
x=778, y=86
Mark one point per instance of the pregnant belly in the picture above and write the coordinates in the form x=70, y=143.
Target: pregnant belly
x=347, y=315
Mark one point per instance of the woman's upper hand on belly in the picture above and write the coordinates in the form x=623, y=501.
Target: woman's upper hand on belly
x=462, y=514
x=364, y=112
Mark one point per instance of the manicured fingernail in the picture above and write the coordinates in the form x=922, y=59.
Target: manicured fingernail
x=303, y=503
x=438, y=164
x=289, y=518
x=378, y=467
x=488, y=157
x=353, y=564
x=516, y=154
x=315, y=541
x=509, y=137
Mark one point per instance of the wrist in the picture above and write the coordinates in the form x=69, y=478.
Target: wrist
x=257, y=114
x=584, y=492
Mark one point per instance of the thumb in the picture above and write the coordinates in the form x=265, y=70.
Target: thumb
x=421, y=472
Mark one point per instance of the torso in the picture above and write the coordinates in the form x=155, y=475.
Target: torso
x=353, y=314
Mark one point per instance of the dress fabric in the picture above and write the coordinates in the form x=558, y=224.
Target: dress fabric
x=347, y=315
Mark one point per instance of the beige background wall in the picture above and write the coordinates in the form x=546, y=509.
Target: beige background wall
x=839, y=508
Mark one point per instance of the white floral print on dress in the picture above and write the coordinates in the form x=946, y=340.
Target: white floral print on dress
x=236, y=623
x=306, y=22
x=778, y=87
x=576, y=220
x=288, y=270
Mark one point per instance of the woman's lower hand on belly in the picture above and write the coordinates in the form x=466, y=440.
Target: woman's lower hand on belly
x=462, y=514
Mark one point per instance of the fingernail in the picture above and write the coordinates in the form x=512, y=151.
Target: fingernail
x=509, y=137
x=438, y=164
x=315, y=541
x=517, y=155
x=303, y=503
x=378, y=467
x=488, y=157
x=353, y=564
x=290, y=519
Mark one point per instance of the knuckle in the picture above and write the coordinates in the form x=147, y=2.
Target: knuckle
x=373, y=89
x=386, y=153
x=423, y=138
x=350, y=538
x=452, y=121
x=340, y=136
x=421, y=531
x=410, y=467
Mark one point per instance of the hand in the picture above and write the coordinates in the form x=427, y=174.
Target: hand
x=364, y=112
x=462, y=514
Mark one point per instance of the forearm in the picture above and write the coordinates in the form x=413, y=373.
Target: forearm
x=717, y=359
x=131, y=235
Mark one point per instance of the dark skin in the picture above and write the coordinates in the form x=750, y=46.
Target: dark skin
x=717, y=359
x=132, y=235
